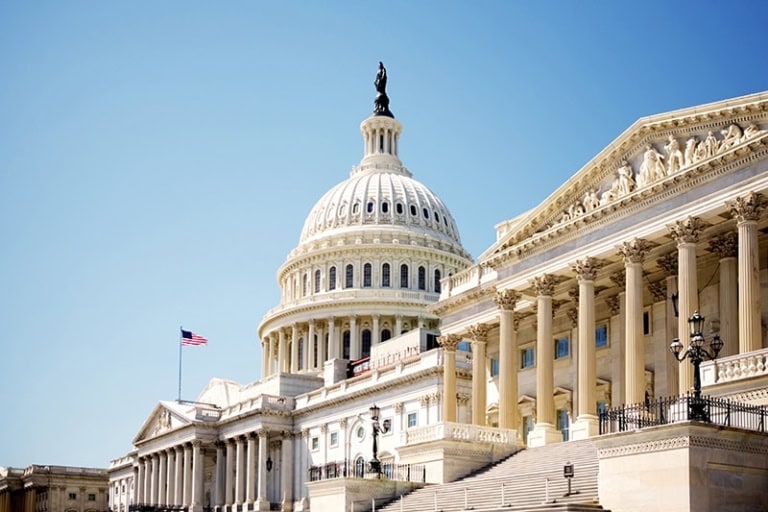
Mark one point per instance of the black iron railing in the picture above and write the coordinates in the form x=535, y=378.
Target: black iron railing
x=666, y=410
x=360, y=469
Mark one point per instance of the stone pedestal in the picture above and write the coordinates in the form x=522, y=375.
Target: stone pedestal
x=584, y=427
x=544, y=434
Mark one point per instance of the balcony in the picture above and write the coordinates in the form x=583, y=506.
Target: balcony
x=462, y=432
x=735, y=368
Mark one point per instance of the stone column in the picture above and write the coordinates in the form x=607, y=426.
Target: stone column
x=398, y=325
x=239, y=471
x=376, y=334
x=250, y=471
x=170, y=491
x=586, y=424
x=139, y=495
x=153, y=480
x=161, y=478
x=354, y=343
x=294, y=348
x=726, y=247
x=506, y=300
x=264, y=357
x=178, y=488
x=668, y=263
x=544, y=431
x=321, y=352
x=309, y=347
x=747, y=210
x=220, y=474
x=187, y=499
x=286, y=469
x=229, y=486
x=333, y=348
x=478, y=333
x=686, y=233
x=634, y=356
x=197, y=477
x=261, y=496
x=449, y=342
x=282, y=358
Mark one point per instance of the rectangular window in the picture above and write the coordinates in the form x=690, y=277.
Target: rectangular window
x=334, y=439
x=411, y=419
x=647, y=323
x=527, y=358
x=73, y=496
x=332, y=278
x=464, y=346
x=601, y=335
x=562, y=347
x=315, y=443
x=602, y=406
x=562, y=422
x=527, y=427
x=91, y=497
x=494, y=367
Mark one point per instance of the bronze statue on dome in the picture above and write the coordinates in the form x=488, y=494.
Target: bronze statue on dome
x=381, y=103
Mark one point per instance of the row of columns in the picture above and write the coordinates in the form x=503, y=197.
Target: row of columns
x=686, y=233
x=170, y=477
x=280, y=356
x=239, y=478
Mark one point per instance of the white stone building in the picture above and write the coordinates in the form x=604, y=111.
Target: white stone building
x=570, y=312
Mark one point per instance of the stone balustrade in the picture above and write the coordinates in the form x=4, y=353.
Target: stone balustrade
x=366, y=293
x=734, y=368
x=448, y=431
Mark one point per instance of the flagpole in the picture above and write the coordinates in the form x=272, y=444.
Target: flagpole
x=181, y=336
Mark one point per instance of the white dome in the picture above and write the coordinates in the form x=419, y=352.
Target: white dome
x=374, y=198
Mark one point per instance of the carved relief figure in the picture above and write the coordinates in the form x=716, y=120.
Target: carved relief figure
x=751, y=131
x=652, y=167
x=710, y=145
x=731, y=137
x=626, y=182
x=590, y=201
x=674, y=156
x=690, y=151
x=575, y=210
x=611, y=194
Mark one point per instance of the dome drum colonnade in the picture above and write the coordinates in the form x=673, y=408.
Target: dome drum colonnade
x=741, y=315
x=371, y=257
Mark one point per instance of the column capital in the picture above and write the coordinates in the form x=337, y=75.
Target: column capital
x=506, y=299
x=668, y=263
x=613, y=303
x=586, y=268
x=687, y=231
x=478, y=333
x=544, y=285
x=449, y=342
x=725, y=245
x=748, y=208
x=635, y=250
x=659, y=290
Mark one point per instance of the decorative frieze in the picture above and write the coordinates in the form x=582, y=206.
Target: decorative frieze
x=725, y=245
x=748, y=208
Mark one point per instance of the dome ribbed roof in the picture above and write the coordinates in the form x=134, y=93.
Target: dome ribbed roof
x=376, y=198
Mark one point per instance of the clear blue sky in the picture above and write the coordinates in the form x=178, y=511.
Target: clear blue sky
x=157, y=161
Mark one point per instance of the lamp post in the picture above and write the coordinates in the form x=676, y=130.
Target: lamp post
x=375, y=464
x=696, y=353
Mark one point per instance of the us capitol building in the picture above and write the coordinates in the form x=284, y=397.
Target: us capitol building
x=491, y=377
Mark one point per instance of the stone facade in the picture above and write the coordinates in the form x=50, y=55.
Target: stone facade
x=53, y=489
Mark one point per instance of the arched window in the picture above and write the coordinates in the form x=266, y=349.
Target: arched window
x=399, y=208
x=367, y=275
x=369, y=207
x=301, y=353
x=413, y=210
x=385, y=275
x=317, y=281
x=332, y=278
x=346, y=346
x=359, y=467
x=305, y=284
x=426, y=213
x=385, y=207
x=366, y=348
x=386, y=334
x=422, y=278
x=355, y=208
x=403, y=276
x=350, y=273
x=437, y=281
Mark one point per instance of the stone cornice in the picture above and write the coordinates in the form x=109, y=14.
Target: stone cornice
x=457, y=301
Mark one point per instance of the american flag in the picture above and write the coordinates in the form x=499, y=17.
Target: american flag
x=190, y=338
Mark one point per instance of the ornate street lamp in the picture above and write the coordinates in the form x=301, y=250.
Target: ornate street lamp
x=697, y=353
x=375, y=464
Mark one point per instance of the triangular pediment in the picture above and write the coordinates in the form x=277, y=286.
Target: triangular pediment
x=650, y=155
x=166, y=416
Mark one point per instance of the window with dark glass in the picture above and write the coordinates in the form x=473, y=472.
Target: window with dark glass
x=601, y=335
x=527, y=359
x=369, y=207
x=385, y=275
x=332, y=278
x=301, y=353
x=305, y=284
x=426, y=213
x=366, y=347
x=346, y=344
x=317, y=281
x=349, y=274
x=399, y=208
x=422, y=278
x=437, y=281
x=403, y=276
x=563, y=423
x=562, y=347
x=413, y=210
x=386, y=334
x=385, y=207
x=367, y=275
x=495, y=367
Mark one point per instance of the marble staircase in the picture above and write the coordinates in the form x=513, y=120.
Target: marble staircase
x=532, y=479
